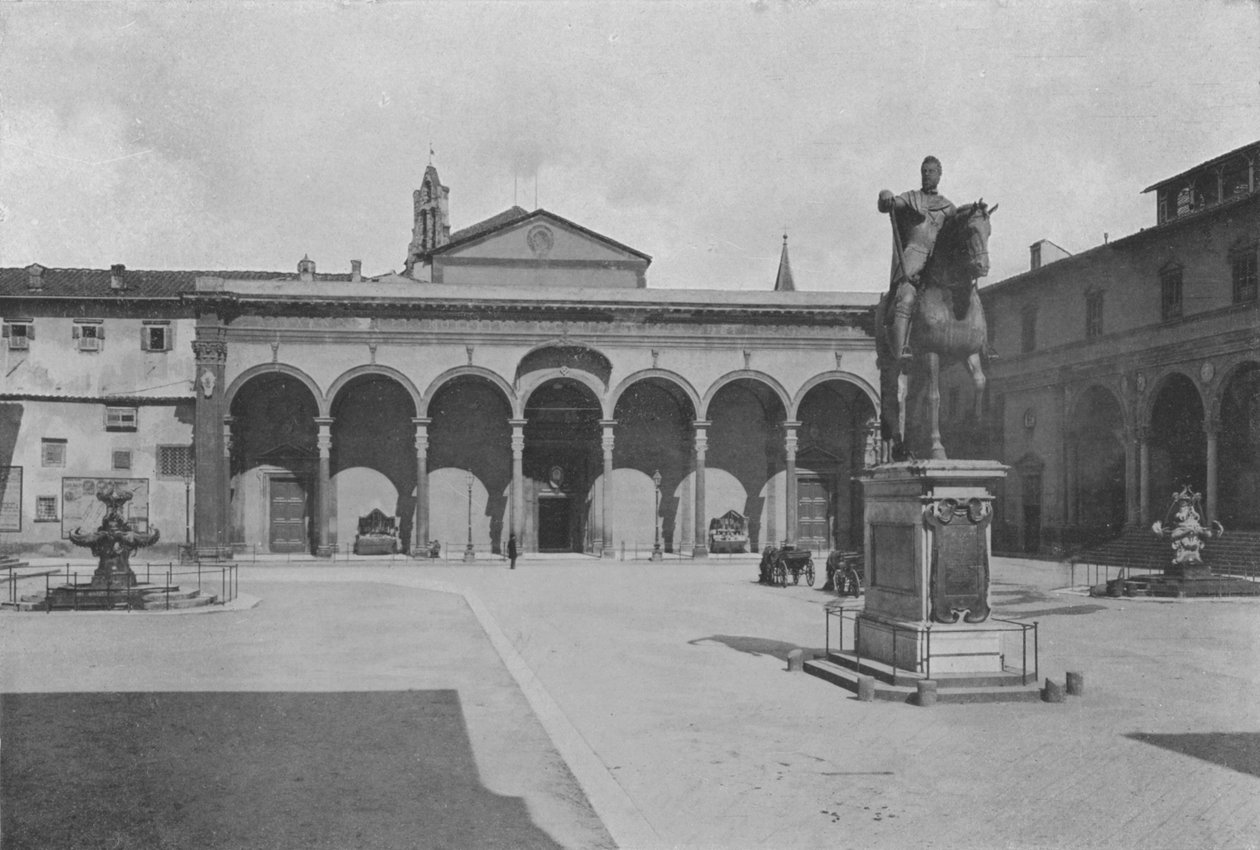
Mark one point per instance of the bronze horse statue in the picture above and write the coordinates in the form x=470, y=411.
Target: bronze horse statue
x=947, y=324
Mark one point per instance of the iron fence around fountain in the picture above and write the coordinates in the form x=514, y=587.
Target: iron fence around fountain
x=224, y=576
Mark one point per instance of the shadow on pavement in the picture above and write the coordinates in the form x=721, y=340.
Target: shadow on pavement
x=380, y=769
x=1238, y=751
x=757, y=646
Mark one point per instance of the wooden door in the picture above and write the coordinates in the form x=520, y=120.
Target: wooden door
x=812, y=507
x=288, y=516
x=554, y=525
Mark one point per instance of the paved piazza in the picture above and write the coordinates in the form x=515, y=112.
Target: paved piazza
x=664, y=689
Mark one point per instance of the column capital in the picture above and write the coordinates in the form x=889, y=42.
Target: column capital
x=421, y=422
x=210, y=352
x=790, y=425
x=1211, y=426
x=608, y=423
x=701, y=424
x=324, y=421
x=518, y=423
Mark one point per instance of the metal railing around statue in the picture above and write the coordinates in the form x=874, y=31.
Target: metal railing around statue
x=1014, y=636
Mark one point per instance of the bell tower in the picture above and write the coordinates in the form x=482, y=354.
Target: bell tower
x=431, y=228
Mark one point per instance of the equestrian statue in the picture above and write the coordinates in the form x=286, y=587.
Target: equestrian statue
x=931, y=312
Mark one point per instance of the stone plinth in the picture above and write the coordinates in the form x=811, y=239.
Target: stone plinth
x=927, y=567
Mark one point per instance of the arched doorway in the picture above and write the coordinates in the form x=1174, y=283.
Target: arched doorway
x=1098, y=466
x=562, y=461
x=274, y=465
x=470, y=465
x=654, y=418
x=746, y=459
x=1239, y=453
x=372, y=460
x=1178, y=446
x=830, y=451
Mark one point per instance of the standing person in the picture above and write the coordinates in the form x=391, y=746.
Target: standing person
x=919, y=215
x=512, y=550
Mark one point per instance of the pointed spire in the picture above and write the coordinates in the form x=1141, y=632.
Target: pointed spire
x=784, y=282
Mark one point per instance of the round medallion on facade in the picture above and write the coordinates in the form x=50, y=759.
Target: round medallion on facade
x=540, y=239
x=1030, y=418
x=1206, y=372
x=555, y=477
x=1141, y=382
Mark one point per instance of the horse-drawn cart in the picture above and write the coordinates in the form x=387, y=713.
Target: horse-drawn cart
x=778, y=563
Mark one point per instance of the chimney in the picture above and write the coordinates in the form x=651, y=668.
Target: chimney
x=1034, y=252
x=116, y=272
x=35, y=277
x=356, y=271
x=306, y=268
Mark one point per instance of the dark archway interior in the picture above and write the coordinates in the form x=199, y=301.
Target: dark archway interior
x=1239, y=450
x=273, y=425
x=1178, y=446
x=654, y=433
x=746, y=440
x=372, y=428
x=469, y=429
x=830, y=452
x=562, y=460
x=1100, y=472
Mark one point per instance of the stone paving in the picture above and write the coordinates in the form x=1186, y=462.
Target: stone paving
x=664, y=688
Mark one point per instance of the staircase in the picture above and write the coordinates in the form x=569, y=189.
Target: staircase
x=1235, y=553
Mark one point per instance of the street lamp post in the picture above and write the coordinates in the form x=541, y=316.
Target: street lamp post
x=188, y=480
x=656, y=518
x=469, y=554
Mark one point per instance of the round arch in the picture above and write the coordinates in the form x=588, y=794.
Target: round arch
x=833, y=375
x=1228, y=373
x=275, y=369
x=1084, y=396
x=372, y=370
x=472, y=372
x=750, y=374
x=1158, y=385
x=662, y=374
x=587, y=380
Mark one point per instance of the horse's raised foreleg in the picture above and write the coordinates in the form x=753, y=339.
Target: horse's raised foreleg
x=933, y=361
x=978, y=379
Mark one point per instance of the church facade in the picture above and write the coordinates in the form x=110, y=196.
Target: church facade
x=518, y=377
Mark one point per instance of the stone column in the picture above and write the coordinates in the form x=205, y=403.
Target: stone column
x=227, y=480
x=323, y=488
x=789, y=454
x=1131, y=506
x=518, y=482
x=420, y=548
x=608, y=548
x=210, y=355
x=1144, y=477
x=700, y=549
x=1072, y=485
x=1211, y=427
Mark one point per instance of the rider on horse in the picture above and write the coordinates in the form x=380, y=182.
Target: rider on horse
x=920, y=214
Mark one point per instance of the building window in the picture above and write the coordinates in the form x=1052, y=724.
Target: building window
x=1028, y=330
x=121, y=418
x=175, y=462
x=155, y=336
x=122, y=460
x=52, y=452
x=19, y=333
x=88, y=336
x=46, y=509
x=1170, y=293
x=1244, y=264
x=1093, y=314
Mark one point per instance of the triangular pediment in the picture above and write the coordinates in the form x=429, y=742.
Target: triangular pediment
x=541, y=237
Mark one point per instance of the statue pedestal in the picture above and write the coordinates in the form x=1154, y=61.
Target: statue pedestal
x=927, y=568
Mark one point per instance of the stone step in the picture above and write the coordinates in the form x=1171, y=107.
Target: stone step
x=901, y=677
x=145, y=597
x=948, y=689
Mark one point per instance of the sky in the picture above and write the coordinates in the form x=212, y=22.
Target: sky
x=233, y=135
